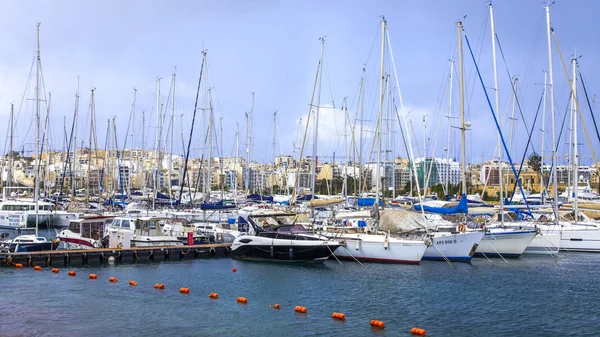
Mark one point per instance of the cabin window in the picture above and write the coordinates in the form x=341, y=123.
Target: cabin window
x=74, y=227
x=124, y=223
x=116, y=223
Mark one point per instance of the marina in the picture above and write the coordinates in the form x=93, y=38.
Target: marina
x=306, y=180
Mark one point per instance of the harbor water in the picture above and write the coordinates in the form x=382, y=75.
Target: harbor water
x=531, y=296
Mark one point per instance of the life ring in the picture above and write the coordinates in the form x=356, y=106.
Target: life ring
x=462, y=228
x=459, y=197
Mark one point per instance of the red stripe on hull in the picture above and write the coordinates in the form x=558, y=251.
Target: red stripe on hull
x=77, y=242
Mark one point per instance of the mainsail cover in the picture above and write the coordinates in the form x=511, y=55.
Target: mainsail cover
x=324, y=202
x=401, y=221
x=460, y=208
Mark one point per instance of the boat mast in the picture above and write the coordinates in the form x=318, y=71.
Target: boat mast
x=346, y=127
x=316, y=125
x=237, y=155
x=380, y=112
x=362, y=118
x=497, y=111
x=551, y=87
x=249, y=142
x=449, y=126
x=74, y=172
x=462, y=108
x=274, y=154
x=542, y=184
x=10, y=157
x=132, y=142
x=575, y=178
x=37, y=126
x=210, y=134
x=87, y=190
x=171, y=137
x=157, y=158
x=142, y=167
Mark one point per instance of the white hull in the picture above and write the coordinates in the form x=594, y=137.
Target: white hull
x=578, y=238
x=544, y=244
x=72, y=241
x=155, y=241
x=379, y=248
x=507, y=243
x=453, y=246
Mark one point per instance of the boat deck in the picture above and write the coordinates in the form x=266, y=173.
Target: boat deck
x=84, y=257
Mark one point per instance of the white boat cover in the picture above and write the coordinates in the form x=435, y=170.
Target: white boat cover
x=401, y=221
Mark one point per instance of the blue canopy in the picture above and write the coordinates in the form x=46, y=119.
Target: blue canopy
x=258, y=197
x=365, y=202
x=462, y=207
x=221, y=204
x=307, y=197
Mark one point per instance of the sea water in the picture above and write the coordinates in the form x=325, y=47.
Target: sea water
x=531, y=296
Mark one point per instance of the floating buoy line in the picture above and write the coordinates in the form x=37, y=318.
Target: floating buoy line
x=377, y=324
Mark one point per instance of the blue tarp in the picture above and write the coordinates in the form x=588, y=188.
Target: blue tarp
x=365, y=202
x=221, y=204
x=306, y=197
x=258, y=197
x=460, y=208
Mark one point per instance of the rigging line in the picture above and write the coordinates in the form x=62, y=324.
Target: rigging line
x=514, y=90
x=25, y=92
x=589, y=104
x=560, y=133
x=187, y=154
x=495, y=120
x=527, y=147
x=576, y=101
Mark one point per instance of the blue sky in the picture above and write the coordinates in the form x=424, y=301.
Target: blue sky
x=271, y=48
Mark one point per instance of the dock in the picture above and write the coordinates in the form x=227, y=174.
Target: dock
x=100, y=256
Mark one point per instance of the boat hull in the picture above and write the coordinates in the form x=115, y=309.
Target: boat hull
x=282, y=250
x=544, y=244
x=509, y=243
x=456, y=247
x=30, y=247
x=155, y=241
x=75, y=241
x=373, y=248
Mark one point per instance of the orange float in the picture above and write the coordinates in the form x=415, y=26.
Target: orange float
x=214, y=296
x=234, y=270
x=339, y=315
x=300, y=309
x=55, y=270
x=93, y=276
x=19, y=265
x=38, y=268
x=184, y=290
x=160, y=286
x=242, y=300
x=417, y=331
x=72, y=273
x=133, y=283
x=377, y=324
x=112, y=280
x=276, y=306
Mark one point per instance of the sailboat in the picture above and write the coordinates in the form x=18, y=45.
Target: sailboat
x=30, y=243
x=374, y=243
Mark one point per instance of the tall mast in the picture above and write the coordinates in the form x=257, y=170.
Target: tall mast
x=10, y=157
x=380, y=112
x=132, y=143
x=249, y=142
x=497, y=111
x=449, y=126
x=157, y=165
x=237, y=155
x=171, y=137
x=142, y=166
x=37, y=126
x=542, y=183
x=274, y=154
x=575, y=178
x=551, y=87
x=463, y=151
x=362, y=118
x=87, y=190
x=316, y=125
x=346, y=148
x=210, y=134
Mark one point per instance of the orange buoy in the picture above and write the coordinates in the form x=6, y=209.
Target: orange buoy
x=184, y=290
x=417, y=331
x=38, y=268
x=377, y=324
x=338, y=315
x=160, y=286
x=55, y=270
x=72, y=273
x=93, y=276
x=112, y=280
x=300, y=309
x=133, y=283
x=276, y=306
x=214, y=296
x=242, y=300
x=19, y=265
x=234, y=270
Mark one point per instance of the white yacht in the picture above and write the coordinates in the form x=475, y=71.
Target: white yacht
x=85, y=233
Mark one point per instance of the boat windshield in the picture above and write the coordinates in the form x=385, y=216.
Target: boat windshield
x=291, y=229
